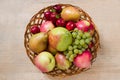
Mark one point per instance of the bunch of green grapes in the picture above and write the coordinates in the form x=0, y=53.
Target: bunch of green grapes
x=81, y=40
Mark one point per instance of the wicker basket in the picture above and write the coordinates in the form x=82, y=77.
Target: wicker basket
x=38, y=18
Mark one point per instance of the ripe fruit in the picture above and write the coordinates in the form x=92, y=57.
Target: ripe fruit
x=38, y=42
x=53, y=17
x=58, y=8
x=70, y=14
x=62, y=62
x=46, y=26
x=47, y=15
x=60, y=38
x=34, y=29
x=83, y=60
x=81, y=41
x=70, y=25
x=45, y=61
x=60, y=22
x=91, y=45
x=84, y=25
x=52, y=50
x=91, y=26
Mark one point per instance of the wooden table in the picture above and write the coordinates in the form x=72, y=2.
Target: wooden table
x=14, y=16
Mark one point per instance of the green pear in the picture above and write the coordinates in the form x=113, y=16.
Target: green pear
x=38, y=42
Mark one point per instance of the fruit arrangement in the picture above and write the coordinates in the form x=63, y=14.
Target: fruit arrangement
x=61, y=40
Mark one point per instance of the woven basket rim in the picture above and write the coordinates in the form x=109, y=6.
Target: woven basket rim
x=28, y=33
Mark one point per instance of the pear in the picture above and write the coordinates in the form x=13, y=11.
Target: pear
x=38, y=42
x=70, y=14
x=62, y=62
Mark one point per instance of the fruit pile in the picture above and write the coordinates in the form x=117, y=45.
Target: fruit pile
x=81, y=41
x=62, y=40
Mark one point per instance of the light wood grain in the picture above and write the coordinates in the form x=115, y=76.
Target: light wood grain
x=14, y=16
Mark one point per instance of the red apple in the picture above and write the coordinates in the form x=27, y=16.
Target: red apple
x=91, y=26
x=58, y=8
x=53, y=17
x=70, y=25
x=91, y=45
x=47, y=15
x=84, y=25
x=46, y=26
x=34, y=29
x=60, y=22
x=83, y=60
x=45, y=61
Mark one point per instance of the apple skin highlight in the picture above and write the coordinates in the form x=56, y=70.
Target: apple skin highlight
x=46, y=26
x=83, y=60
x=45, y=61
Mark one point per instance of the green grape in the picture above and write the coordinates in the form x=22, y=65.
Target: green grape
x=83, y=36
x=74, y=34
x=76, y=51
x=80, y=33
x=87, y=40
x=70, y=48
x=83, y=49
x=75, y=55
x=90, y=38
x=76, y=29
x=74, y=47
x=65, y=52
x=79, y=46
x=78, y=37
x=80, y=51
x=82, y=42
x=70, y=52
x=76, y=41
x=87, y=34
x=73, y=43
x=67, y=56
x=71, y=58
x=85, y=46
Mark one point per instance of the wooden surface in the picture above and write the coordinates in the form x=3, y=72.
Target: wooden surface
x=14, y=16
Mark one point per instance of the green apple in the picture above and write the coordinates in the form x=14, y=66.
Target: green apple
x=38, y=42
x=60, y=38
x=45, y=61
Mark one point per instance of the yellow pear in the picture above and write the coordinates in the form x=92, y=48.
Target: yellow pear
x=70, y=14
x=38, y=42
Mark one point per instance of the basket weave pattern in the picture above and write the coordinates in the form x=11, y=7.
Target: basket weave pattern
x=38, y=19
